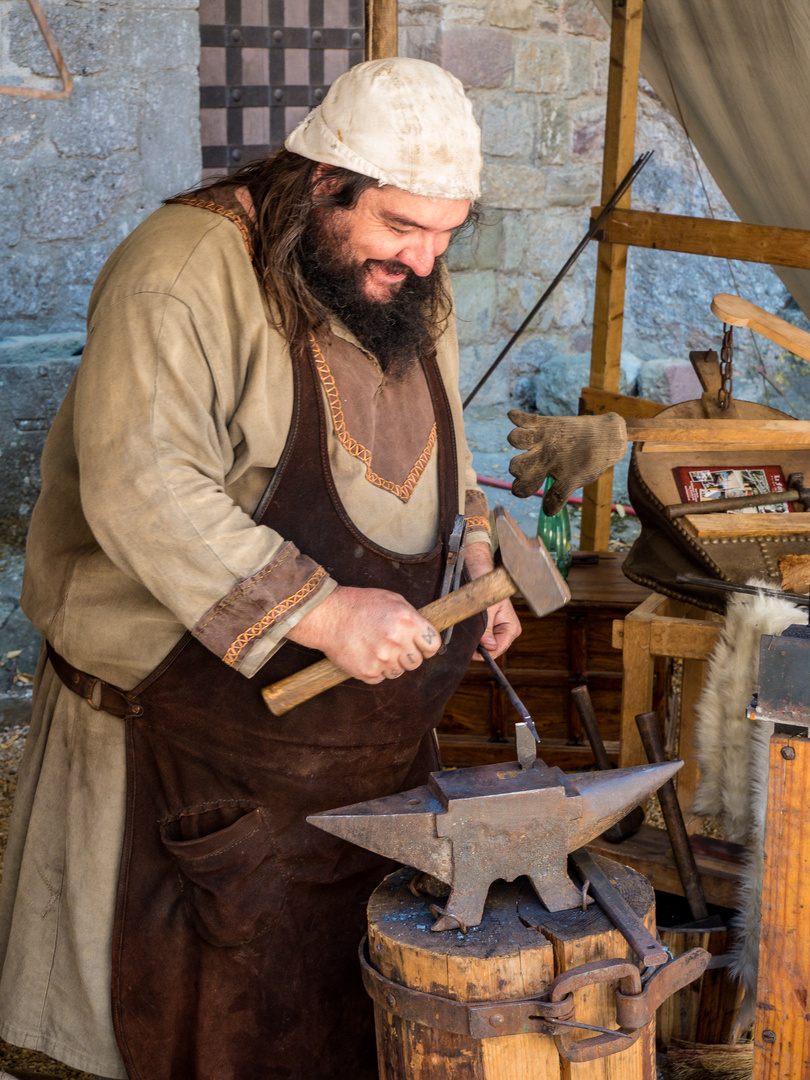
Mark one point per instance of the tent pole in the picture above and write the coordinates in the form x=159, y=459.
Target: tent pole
x=381, y=29
x=608, y=314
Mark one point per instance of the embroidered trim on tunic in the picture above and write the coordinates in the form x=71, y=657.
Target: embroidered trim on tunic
x=479, y=523
x=255, y=631
x=355, y=448
x=218, y=208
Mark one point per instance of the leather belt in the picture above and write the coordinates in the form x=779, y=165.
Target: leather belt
x=99, y=695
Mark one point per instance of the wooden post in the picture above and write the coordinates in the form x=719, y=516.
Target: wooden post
x=381, y=29
x=782, y=1033
x=608, y=313
x=516, y=952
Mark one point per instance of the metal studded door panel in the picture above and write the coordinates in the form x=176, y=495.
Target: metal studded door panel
x=263, y=65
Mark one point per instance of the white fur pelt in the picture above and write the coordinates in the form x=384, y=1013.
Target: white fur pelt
x=733, y=752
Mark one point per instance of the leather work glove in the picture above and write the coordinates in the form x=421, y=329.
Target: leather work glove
x=575, y=450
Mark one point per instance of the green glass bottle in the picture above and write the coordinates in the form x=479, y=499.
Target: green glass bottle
x=555, y=532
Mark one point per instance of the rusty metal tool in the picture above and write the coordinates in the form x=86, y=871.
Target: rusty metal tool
x=632, y=822
x=645, y=945
x=527, y=568
x=731, y=586
x=647, y=724
x=795, y=492
x=469, y=827
x=502, y=680
x=454, y=565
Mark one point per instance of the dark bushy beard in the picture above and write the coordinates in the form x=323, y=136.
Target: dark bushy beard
x=396, y=331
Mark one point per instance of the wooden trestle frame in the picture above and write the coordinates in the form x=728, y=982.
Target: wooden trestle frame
x=632, y=228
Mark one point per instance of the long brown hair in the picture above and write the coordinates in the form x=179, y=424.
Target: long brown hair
x=284, y=190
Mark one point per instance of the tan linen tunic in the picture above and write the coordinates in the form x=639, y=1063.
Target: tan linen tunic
x=155, y=462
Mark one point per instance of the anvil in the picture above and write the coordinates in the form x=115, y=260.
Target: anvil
x=469, y=827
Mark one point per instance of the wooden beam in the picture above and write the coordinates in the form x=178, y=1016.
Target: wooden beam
x=718, y=526
x=381, y=29
x=608, y=314
x=594, y=402
x=782, y=1034
x=706, y=236
x=738, y=312
x=717, y=435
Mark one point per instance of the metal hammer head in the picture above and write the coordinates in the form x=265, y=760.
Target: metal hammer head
x=530, y=566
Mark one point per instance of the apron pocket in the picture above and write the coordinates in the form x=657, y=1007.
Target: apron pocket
x=232, y=884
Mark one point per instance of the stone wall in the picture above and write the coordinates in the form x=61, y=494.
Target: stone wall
x=536, y=71
x=76, y=176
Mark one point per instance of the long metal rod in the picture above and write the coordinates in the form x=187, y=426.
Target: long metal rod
x=522, y=711
x=572, y=258
x=645, y=945
x=729, y=586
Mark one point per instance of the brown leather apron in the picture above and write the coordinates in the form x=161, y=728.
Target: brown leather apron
x=237, y=923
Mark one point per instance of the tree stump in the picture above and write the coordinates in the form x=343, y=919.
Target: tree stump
x=517, y=950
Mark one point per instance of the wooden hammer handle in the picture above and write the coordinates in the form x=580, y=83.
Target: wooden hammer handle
x=448, y=610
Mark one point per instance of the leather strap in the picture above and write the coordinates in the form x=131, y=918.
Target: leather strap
x=99, y=695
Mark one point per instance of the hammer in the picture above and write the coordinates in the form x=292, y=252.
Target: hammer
x=527, y=568
x=796, y=492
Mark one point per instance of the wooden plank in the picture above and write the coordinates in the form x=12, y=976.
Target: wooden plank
x=637, y=689
x=718, y=526
x=784, y=941
x=706, y=236
x=738, y=312
x=611, y=264
x=650, y=854
x=687, y=638
x=694, y=672
x=381, y=29
x=594, y=402
x=717, y=434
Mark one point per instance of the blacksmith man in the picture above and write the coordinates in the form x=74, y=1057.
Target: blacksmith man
x=259, y=461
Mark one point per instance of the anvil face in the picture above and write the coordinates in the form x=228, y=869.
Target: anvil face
x=468, y=827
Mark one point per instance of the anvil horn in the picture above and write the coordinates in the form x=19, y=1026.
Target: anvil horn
x=401, y=827
x=608, y=796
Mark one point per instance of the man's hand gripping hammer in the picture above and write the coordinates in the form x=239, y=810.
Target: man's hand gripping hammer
x=527, y=568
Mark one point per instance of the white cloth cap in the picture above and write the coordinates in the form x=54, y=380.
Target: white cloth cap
x=404, y=122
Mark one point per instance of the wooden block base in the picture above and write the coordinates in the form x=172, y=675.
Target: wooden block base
x=516, y=952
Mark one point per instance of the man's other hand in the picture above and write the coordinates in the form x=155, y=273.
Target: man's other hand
x=503, y=625
x=372, y=634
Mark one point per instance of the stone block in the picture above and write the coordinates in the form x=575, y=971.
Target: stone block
x=479, y=249
x=169, y=139
x=573, y=302
x=509, y=126
x=579, y=75
x=95, y=122
x=582, y=17
x=31, y=391
x=475, y=360
x=588, y=136
x=21, y=127
x=475, y=295
x=11, y=217
x=479, y=56
x=511, y=14
x=104, y=38
x=559, y=382
x=69, y=203
x=512, y=187
x=552, y=132
x=574, y=185
x=538, y=242
x=29, y=285
x=40, y=349
x=668, y=380
x=539, y=67
x=516, y=298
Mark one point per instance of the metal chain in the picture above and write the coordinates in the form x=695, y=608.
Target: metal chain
x=726, y=368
